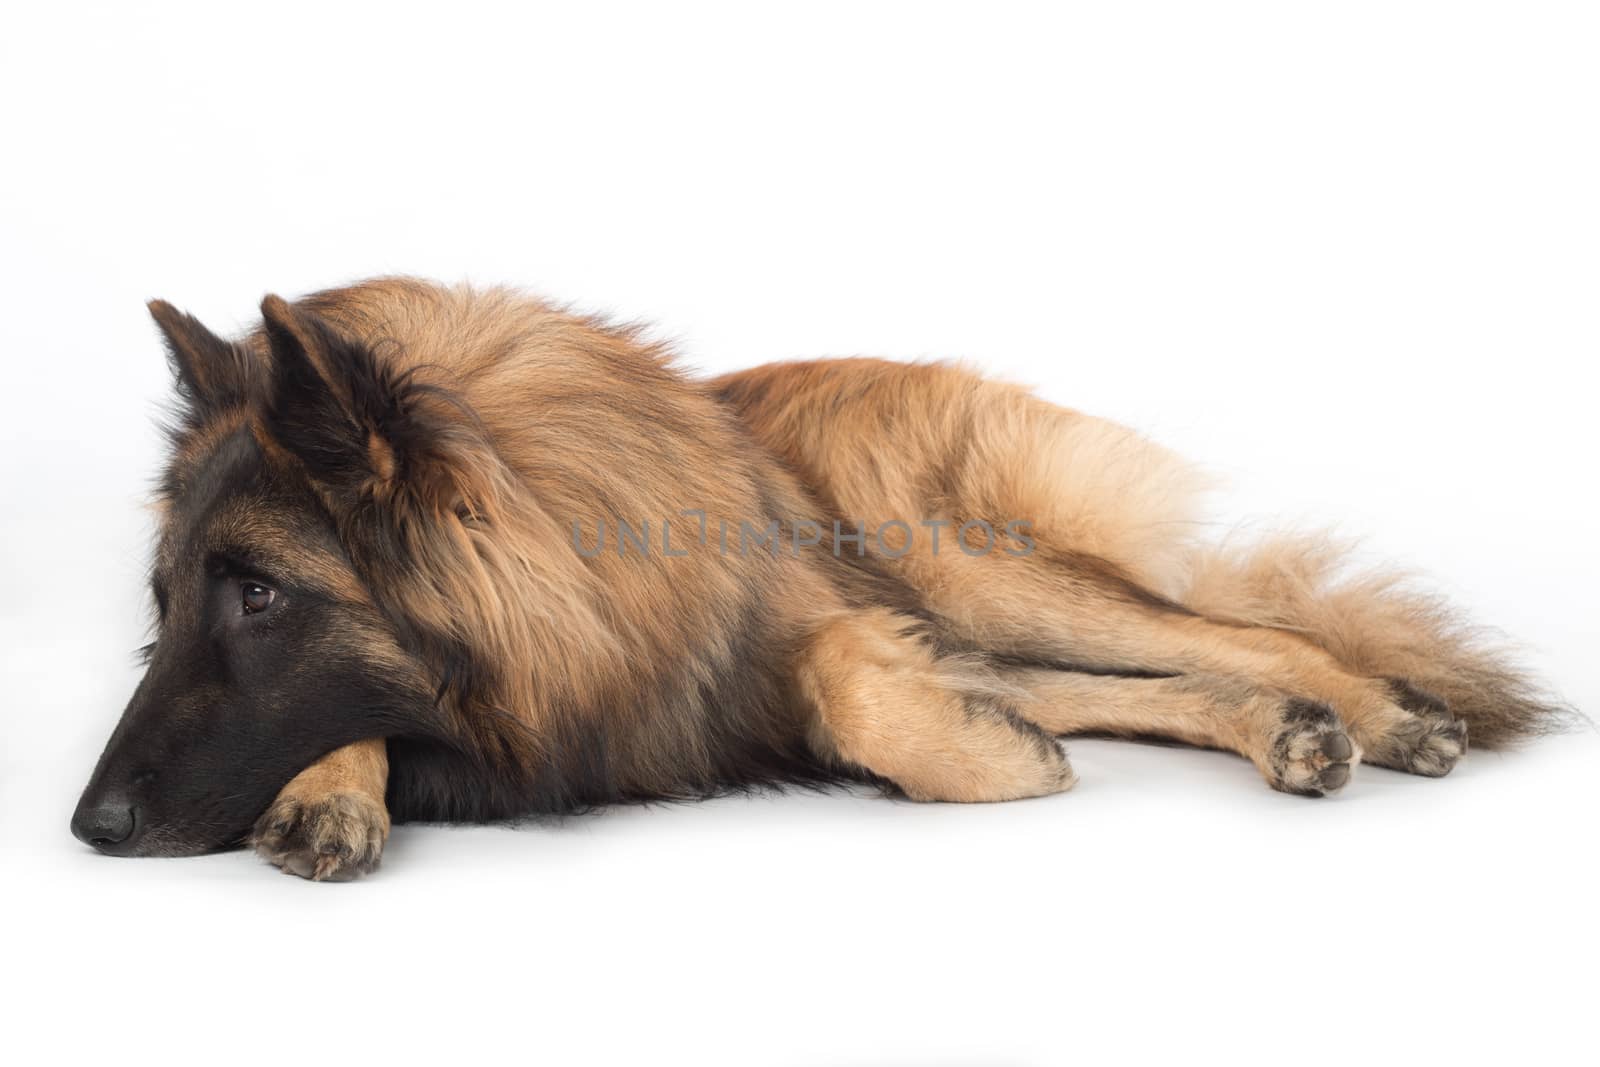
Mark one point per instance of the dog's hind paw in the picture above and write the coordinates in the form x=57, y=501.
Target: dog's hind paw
x=1311, y=755
x=331, y=838
x=1425, y=740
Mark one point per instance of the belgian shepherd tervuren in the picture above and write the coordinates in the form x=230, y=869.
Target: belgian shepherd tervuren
x=446, y=554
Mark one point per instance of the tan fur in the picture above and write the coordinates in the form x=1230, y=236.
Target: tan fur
x=1135, y=589
x=499, y=567
x=884, y=703
x=1208, y=711
x=881, y=440
x=1379, y=624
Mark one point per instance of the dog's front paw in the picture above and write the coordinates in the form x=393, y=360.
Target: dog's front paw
x=332, y=838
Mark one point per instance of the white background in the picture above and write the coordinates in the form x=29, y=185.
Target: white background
x=1345, y=255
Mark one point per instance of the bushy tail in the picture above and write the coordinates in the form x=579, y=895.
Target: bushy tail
x=1379, y=625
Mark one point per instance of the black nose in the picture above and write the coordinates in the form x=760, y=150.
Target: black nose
x=111, y=826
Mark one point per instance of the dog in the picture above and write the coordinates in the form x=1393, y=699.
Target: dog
x=446, y=554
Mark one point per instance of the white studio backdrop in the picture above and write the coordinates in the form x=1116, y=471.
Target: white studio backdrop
x=1341, y=255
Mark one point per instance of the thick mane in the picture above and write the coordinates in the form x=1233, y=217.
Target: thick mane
x=596, y=675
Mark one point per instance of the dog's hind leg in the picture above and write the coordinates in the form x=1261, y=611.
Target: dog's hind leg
x=885, y=704
x=330, y=823
x=1299, y=746
x=1099, y=569
x=1060, y=611
x=1054, y=609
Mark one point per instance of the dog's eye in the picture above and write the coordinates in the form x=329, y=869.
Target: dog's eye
x=256, y=598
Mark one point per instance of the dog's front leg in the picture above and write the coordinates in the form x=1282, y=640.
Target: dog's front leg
x=329, y=823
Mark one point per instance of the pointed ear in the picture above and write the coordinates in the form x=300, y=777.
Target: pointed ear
x=210, y=373
x=362, y=428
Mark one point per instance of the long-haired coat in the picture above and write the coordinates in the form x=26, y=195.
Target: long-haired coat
x=451, y=554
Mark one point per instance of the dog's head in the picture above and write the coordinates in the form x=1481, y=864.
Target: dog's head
x=300, y=462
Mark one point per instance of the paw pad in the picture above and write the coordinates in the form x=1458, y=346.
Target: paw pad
x=1311, y=754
